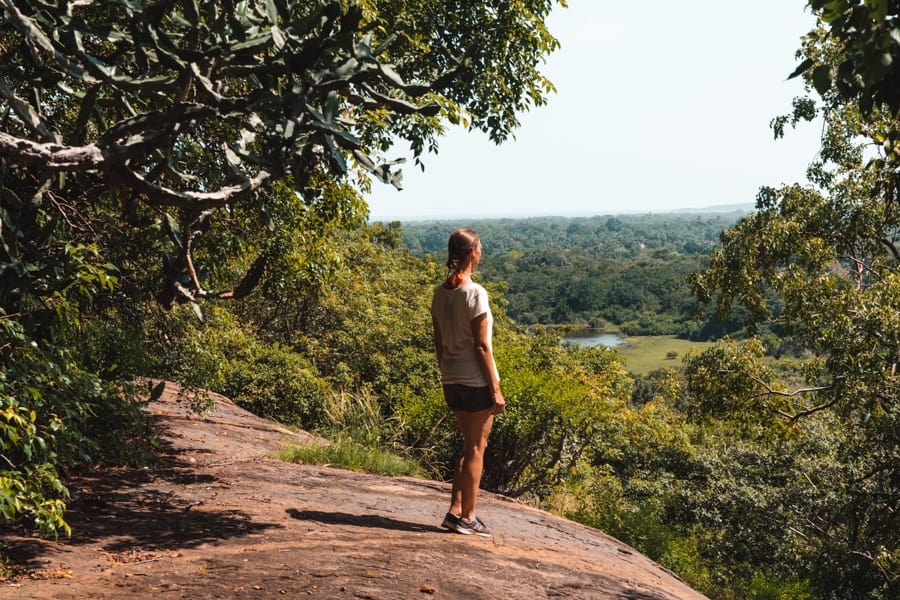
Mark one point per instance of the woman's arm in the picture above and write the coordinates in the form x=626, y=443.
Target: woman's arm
x=438, y=341
x=485, y=357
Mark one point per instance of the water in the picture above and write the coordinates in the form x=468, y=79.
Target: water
x=592, y=337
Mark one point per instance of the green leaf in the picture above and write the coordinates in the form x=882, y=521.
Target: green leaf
x=157, y=390
x=332, y=105
x=289, y=127
x=272, y=12
x=879, y=9
x=198, y=311
x=895, y=35
x=174, y=231
x=278, y=38
x=251, y=279
x=822, y=77
x=801, y=68
x=134, y=5
x=192, y=12
x=232, y=158
x=343, y=137
x=253, y=43
x=337, y=160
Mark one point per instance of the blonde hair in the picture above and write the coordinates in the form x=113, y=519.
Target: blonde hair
x=461, y=244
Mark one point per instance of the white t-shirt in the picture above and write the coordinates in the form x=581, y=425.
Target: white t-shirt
x=454, y=310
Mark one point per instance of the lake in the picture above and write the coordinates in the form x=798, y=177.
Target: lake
x=593, y=337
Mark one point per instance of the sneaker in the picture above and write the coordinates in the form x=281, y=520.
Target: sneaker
x=476, y=526
x=450, y=522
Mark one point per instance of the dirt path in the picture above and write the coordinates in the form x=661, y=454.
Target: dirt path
x=222, y=520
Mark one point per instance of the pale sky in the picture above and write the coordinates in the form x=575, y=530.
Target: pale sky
x=660, y=105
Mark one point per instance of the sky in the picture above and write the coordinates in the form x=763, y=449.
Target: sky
x=660, y=105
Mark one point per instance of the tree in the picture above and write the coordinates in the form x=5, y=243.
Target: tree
x=189, y=107
x=828, y=253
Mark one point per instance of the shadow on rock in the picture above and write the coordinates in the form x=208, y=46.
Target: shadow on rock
x=375, y=521
x=123, y=515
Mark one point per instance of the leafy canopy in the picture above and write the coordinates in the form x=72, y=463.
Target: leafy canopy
x=189, y=107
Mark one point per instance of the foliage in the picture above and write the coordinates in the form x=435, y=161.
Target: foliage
x=750, y=481
x=866, y=70
x=626, y=272
x=55, y=416
x=364, y=325
x=188, y=108
x=180, y=151
x=827, y=255
x=272, y=381
x=347, y=453
x=558, y=400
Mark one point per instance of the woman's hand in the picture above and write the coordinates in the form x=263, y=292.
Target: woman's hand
x=499, y=403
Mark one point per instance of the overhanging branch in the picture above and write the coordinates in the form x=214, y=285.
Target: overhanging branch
x=51, y=156
x=158, y=195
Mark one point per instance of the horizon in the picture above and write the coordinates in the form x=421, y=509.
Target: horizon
x=707, y=210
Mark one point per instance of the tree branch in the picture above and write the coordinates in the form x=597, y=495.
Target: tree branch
x=805, y=412
x=891, y=247
x=51, y=156
x=860, y=267
x=188, y=259
x=157, y=195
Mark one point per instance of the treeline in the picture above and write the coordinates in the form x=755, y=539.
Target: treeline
x=626, y=272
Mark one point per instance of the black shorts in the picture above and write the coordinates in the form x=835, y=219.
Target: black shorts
x=464, y=398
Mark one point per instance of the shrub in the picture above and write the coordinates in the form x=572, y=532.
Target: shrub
x=55, y=416
x=221, y=355
x=272, y=381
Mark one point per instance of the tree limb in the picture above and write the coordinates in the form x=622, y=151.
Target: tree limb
x=158, y=195
x=891, y=247
x=805, y=412
x=51, y=156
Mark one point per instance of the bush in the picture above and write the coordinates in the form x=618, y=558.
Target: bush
x=221, y=355
x=55, y=416
x=272, y=381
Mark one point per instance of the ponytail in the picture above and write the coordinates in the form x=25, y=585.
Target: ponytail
x=460, y=246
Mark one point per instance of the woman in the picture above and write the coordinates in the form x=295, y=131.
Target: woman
x=462, y=340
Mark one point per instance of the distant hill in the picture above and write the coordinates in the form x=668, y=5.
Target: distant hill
x=744, y=207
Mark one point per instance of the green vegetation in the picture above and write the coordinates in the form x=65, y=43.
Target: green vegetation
x=625, y=272
x=643, y=354
x=172, y=243
x=344, y=453
x=164, y=156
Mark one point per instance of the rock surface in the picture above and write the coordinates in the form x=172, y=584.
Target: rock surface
x=221, y=519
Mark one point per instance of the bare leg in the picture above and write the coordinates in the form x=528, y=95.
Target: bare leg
x=475, y=427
